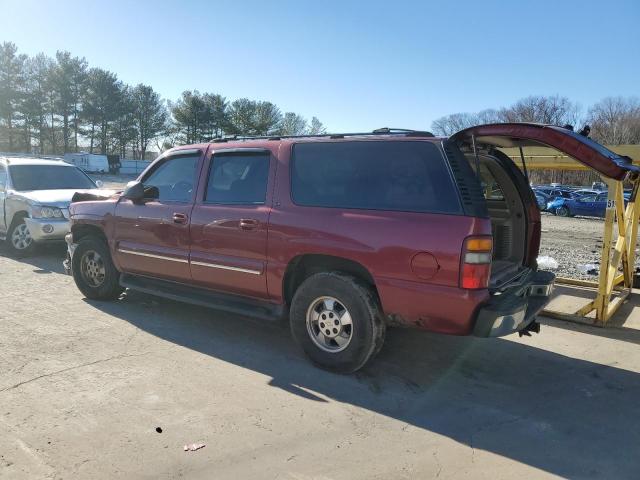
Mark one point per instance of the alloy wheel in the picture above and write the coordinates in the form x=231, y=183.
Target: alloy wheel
x=92, y=268
x=21, y=237
x=329, y=324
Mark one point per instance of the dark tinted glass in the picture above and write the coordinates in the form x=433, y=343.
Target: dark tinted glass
x=238, y=178
x=404, y=176
x=175, y=178
x=48, y=177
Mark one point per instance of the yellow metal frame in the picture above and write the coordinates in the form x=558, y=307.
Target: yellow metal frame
x=617, y=264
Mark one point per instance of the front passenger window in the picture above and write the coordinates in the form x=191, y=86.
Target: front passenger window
x=175, y=178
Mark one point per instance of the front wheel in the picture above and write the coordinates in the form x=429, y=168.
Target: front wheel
x=93, y=270
x=563, y=212
x=19, y=239
x=337, y=321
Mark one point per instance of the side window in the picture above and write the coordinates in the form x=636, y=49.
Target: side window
x=589, y=198
x=175, y=178
x=492, y=190
x=3, y=178
x=238, y=178
x=379, y=175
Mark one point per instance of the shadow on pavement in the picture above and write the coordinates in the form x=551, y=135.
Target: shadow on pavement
x=566, y=416
x=45, y=259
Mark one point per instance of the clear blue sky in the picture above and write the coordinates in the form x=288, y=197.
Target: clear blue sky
x=355, y=65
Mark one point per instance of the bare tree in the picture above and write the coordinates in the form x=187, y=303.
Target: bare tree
x=450, y=124
x=615, y=120
x=553, y=110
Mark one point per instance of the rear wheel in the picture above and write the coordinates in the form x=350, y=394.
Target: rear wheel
x=93, y=270
x=563, y=212
x=337, y=321
x=19, y=238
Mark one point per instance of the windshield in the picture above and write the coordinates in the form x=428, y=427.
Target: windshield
x=48, y=177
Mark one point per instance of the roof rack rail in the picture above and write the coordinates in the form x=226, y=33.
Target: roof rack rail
x=379, y=131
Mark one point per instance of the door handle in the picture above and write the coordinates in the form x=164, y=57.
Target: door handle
x=248, y=223
x=180, y=218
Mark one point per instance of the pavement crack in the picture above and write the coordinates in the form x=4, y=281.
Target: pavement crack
x=57, y=372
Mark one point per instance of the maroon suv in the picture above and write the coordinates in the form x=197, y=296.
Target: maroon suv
x=344, y=234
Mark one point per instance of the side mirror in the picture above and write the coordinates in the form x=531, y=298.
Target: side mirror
x=99, y=183
x=134, y=191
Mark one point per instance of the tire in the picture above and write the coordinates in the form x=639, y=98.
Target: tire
x=563, y=212
x=344, y=308
x=93, y=270
x=19, y=241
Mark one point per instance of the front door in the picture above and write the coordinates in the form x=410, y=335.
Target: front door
x=585, y=205
x=229, y=222
x=152, y=236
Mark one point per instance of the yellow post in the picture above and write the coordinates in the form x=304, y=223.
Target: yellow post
x=632, y=220
x=602, y=299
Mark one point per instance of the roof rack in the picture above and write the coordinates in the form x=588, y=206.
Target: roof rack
x=378, y=131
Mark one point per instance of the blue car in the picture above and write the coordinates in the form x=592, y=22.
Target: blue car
x=591, y=205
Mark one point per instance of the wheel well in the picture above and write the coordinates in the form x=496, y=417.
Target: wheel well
x=303, y=266
x=81, y=231
x=18, y=215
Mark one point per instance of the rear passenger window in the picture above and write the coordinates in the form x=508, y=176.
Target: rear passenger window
x=403, y=176
x=238, y=178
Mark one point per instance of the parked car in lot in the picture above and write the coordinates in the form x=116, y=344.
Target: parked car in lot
x=554, y=192
x=344, y=234
x=587, y=205
x=34, y=200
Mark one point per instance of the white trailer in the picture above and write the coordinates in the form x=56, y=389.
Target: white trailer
x=88, y=162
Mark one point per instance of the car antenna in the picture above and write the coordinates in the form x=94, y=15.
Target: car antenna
x=524, y=164
x=475, y=154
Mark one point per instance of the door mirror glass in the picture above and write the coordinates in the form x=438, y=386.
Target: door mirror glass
x=134, y=191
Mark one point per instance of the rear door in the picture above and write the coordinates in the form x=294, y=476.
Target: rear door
x=230, y=220
x=152, y=237
x=600, y=205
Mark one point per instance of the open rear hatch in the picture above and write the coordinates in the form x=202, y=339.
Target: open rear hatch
x=511, y=205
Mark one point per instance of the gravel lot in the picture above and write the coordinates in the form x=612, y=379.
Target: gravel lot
x=573, y=242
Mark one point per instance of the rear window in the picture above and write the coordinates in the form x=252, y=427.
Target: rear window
x=401, y=176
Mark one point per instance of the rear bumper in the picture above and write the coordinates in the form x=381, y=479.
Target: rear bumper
x=513, y=310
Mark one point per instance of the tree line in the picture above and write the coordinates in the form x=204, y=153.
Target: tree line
x=612, y=120
x=60, y=105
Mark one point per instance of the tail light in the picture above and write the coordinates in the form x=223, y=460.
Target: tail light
x=475, y=268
